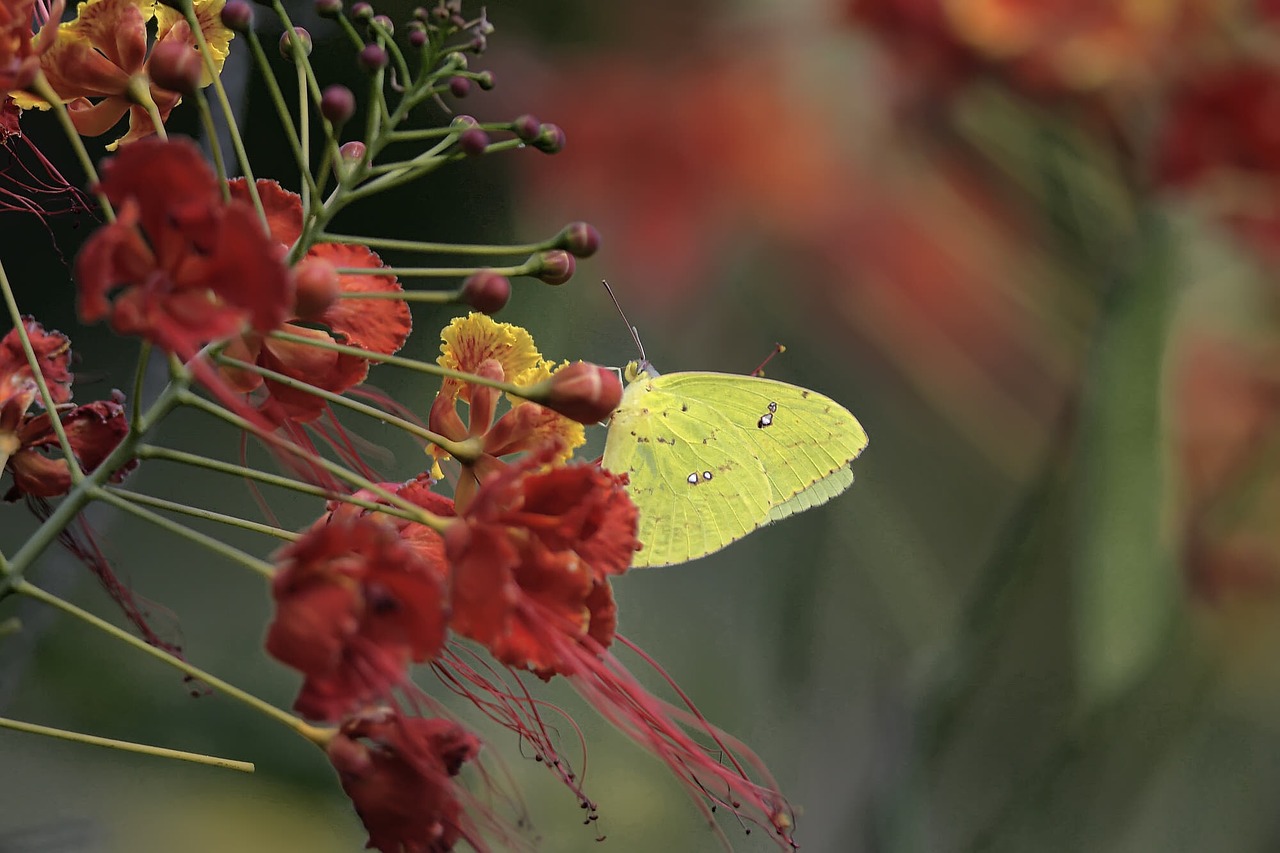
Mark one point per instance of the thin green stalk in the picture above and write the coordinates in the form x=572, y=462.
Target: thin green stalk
x=218, y=466
x=211, y=133
x=215, y=545
x=399, y=361
x=140, y=94
x=46, y=398
x=139, y=378
x=286, y=118
x=417, y=514
x=206, y=514
x=438, y=272
x=432, y=297
x=127, y=746
x=189, y=12
x=453, y=448
x=311, y=733
x=419, y=134
x=309, y=188
x=438, y=248
x=42, y=88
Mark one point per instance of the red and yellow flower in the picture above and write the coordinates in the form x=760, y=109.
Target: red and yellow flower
x=99, y=62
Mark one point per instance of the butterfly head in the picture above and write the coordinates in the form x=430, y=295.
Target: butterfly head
x=639, y=370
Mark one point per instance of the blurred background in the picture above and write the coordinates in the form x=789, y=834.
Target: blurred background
x=1031, y=244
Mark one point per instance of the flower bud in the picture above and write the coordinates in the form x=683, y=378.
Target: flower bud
x=586, y=393
x=337, y=104
x=317, y=287
x=420, y=14
x=373, y=58
x=417, y=38
x=286, y=42
x=328, y=8
x=385, y=23
x=526, y=127
x=558, y=267
x=579, y=239
x=473, y=142
x=485, y=80
x=463, y=121
x=550, y=139
x=486, y=291
x=237, y=16
x=362, y=12
x=460, y=87
x=478, y=45
x=175, y=66
x=352, y=151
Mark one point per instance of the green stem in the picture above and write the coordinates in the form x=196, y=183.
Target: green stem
x=417, y=513
x=224, y=102
x=218, y=466
x=438, y=248
x=453, y=448
x=439, y=272
x=431, y=297
x=215, y=545
x=286, y=117
x=46, y=398
x=42, y=88
x=211, y=132
x=309, y=732
x=399, y=361
x=127, y=746
x=140, y=93
x=206, y=514
x=139, y=378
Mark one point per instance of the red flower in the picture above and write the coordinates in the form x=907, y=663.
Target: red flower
x=19, y=56
x=377, y=325
x=531, y=558
x=354, y=605
x=205, y=269
x=398, y=772
x=92, y=430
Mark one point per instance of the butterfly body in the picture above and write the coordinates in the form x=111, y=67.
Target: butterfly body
x=713, y=456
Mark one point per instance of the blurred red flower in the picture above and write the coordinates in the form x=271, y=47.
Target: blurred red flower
x=354, y=605
x=531, y=556
x=26, y=438
x=19, y=52
x=377, y=325
x=205, y=268
x=398, y=772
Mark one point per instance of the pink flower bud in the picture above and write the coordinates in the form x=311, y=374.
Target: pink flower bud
x=460, y=87
x=337, y=104
x=362, y=12
x=586, y=393
x=550, y=139
x=352, y=151
x=317, y=287
x=237, y=16
x=328, y=8
x=175, y=66
x=486, y=291
x=579, y=239
x=385, y=23
x=417, y=38
x=558, y=267
x=485, y=80
x=373, y=58
x=473, y=142
x=526, y=127
x=286, y=42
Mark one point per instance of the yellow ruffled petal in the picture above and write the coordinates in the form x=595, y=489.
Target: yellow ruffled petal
x=469, y=341
x=171, y=23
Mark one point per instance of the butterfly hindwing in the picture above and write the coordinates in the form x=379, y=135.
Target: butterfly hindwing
x=770, y=449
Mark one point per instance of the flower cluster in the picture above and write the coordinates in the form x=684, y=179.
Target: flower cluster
x=271, y=319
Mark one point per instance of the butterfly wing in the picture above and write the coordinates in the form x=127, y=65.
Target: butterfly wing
x=695, y=492
x=773, y=449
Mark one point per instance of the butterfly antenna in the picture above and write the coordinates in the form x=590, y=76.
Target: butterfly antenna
x=635, y=333
x=778, y=349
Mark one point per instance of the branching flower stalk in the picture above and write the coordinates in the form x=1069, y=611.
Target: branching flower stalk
x=493, y=555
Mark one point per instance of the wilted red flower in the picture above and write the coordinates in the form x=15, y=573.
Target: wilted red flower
x=102, y=55
x=398, y=772
x=354, y=605
x=92, y=430
x=531, y=557
x=205, y=269
x=377, y=325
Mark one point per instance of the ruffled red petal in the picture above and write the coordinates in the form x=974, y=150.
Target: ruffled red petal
x=283, y=208
x=378, y=325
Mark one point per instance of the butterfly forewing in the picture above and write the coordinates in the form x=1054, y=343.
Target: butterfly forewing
x=714, y=456
x=696, y=490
